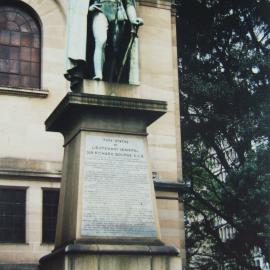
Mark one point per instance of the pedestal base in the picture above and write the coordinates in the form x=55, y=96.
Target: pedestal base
x=112, y=257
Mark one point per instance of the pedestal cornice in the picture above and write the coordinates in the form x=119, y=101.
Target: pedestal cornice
x=93, y=112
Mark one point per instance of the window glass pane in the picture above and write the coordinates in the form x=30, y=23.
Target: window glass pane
x=35, y=69
x=12, y=215
x=3, y=21
x=26, y=39
x=34, y=82
x=15, y=38
x=12, y=26
x=4, y=65
x=25, y=81
x=14, y=80
x=35, y=55
x=25, y=68
x=19, y=19
x=4, y=78
x=14, y=53
x=33, y=27
x=11, y=15
x=50, y=207
x=4, y=37
x=36, y=41
x=25, y=28
x=4, y=52
x=25, y=54
x=13, y=66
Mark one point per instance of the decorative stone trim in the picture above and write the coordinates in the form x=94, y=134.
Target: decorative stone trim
x=31, y=175
x=89, y=104
x=30, y=169
x=24, y=92
x=113, y=249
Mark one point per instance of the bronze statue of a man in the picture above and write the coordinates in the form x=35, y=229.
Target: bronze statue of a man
x=106, y=14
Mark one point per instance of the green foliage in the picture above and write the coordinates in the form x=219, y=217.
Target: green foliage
x=224, y=64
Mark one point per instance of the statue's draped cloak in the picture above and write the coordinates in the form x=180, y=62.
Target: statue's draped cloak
x=76, y=49
x=77, y=32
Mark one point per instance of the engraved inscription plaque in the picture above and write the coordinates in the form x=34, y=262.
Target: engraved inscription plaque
x=116, y=192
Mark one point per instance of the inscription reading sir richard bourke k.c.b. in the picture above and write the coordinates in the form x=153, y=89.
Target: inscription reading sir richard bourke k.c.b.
x=117, y=198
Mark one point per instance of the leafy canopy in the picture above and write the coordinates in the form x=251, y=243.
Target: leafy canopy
x=224, y=74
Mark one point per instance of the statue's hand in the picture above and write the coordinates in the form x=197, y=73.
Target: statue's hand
x=137, y=21
x=94, y=7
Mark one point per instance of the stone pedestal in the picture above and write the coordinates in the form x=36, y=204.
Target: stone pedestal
x=107, y=217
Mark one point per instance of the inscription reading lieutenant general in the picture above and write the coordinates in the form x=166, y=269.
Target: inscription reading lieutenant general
x=116, y=166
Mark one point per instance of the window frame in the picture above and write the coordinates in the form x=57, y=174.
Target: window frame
x=27, y=91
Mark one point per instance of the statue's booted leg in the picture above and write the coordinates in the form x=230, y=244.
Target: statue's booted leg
x=100, y=28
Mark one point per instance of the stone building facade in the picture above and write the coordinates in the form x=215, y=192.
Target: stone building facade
x=32, y=53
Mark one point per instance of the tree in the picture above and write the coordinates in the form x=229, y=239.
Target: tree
x=224, y=73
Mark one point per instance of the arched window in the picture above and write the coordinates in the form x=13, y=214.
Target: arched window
x=19, y=48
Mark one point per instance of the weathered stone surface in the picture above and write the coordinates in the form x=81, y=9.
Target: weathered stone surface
x=82, y=262
x=125, y=263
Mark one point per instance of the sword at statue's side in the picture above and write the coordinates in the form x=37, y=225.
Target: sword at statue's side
x=134, y=34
